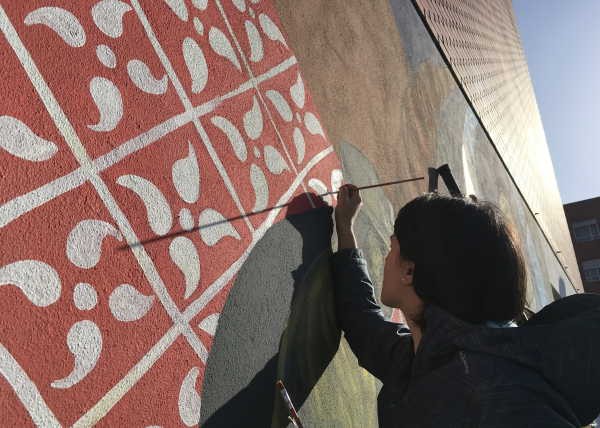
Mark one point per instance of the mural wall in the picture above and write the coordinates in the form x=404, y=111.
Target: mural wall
x=164, y=251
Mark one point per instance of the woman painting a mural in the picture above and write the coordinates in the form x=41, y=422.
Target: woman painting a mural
x=456, y=271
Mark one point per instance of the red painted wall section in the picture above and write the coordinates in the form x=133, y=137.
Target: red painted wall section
x=124, y=122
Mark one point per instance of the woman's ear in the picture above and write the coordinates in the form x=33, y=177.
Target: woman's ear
x=408, y=271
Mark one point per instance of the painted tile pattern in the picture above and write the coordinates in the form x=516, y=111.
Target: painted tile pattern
x=124, y=122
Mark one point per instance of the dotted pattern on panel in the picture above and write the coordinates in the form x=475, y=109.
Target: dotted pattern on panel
x=481, y=42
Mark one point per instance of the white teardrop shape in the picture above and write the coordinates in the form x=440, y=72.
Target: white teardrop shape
x=214, y=227
x=63, y=22
x=313, y=125
x=233, y=135
x=271, y=30
x=84, y=243
x=159, y=214
x=200, y=4
x=178, y=7
x=108, y=16
x=184, y=254
x=320, y=188
x=85, y=297
x=260, y=186
x=297, y=92
x=106, y=56
x=282, y=106
x=256, y=45
x=189, y=399
x=109, y=102
x=186, y=221
x=240, y=4
x=127, y=304
x=274, y=160
x=198, y=26
x=37, y=280
x=85, y=343
x=142, y=77
x=300, y=145
x=337, y=179
x=186, y=176
x=253, y=121
x=20, y=141
x=209, y=324
x=222, y=46
x=196, y=64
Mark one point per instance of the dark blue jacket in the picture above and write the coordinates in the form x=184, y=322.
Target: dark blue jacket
x=545, y=373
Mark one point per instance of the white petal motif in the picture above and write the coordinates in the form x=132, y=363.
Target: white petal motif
x=274, y=160
x=189, y=399
x=209, y=324
x=256, y=45
x=300, y=144
x=186, y=221
x=214, y=227
x=106, y=56
x=20, y=141
x=85, y=343
x=37, y=280
x=127, y=304
x=186, y=176
x=196, y=64
x=178, y=7
x=222, y=46
x=63, y=22
x=337, y=179
x=108, y=16
x=313, y=125
x=159, y=213
x=200, y=4
x=297, y=92
x=270, y=29
x=320, y=188
x=233, y=135
x=253, y=121
x=85, y=296
x=109, y=102
x=260, y=186
x=282, y=106
x=198, y=26
x=240, y=4
x=142, y=77
x=184, y=254
x=84, y=243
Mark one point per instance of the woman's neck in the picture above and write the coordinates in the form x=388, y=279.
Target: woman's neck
x=415, y=331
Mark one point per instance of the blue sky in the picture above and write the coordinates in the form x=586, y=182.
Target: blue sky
x=562, y=45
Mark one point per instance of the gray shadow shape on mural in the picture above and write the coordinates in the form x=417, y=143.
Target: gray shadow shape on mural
x=239, y=384
x=277, y=325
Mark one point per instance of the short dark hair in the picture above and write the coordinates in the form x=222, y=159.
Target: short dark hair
x=467, y=258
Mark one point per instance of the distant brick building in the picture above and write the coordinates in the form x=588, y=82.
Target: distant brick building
x=583, y=218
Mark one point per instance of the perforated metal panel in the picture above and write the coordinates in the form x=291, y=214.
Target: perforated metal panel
x=481, y=42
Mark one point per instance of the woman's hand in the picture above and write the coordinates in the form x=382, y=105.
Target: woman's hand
x=348, y=205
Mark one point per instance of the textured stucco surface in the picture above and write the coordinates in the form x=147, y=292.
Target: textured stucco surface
x=129, y=123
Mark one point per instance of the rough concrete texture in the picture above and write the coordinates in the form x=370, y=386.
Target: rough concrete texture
x=134, y=137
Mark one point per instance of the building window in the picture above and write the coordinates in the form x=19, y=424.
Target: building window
x=591, y=270
x=587, y=230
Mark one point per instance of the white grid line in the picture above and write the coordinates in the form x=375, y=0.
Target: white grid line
x=69, y=134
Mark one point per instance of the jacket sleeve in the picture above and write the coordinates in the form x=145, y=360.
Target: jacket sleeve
x=382, y=347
